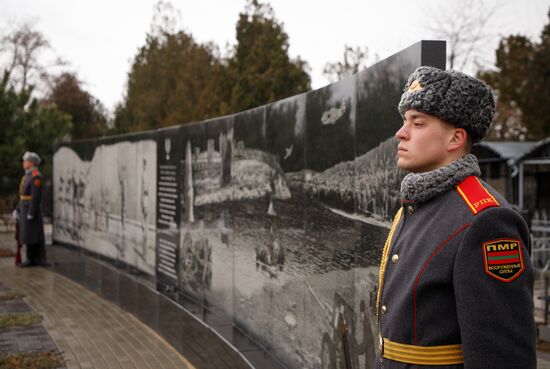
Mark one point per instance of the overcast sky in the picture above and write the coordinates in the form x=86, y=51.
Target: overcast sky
x=99, y=38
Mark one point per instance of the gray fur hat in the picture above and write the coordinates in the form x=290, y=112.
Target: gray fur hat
x=32, y=156
x=454, y=97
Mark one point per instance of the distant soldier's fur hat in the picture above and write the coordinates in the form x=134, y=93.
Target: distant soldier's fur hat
x=32, y=156
x=454, y=97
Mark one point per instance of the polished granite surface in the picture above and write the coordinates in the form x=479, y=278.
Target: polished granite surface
x=206, y=336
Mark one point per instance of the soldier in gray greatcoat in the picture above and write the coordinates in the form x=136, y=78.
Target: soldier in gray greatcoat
x=29, y=209
x=456, y=280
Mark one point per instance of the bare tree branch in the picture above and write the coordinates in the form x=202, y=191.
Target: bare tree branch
x=465, y=27
x=25, y=50
x=354, y=60
x=166, y=19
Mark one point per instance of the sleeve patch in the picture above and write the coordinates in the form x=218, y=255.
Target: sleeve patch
x=37, y=182
x=503, y=259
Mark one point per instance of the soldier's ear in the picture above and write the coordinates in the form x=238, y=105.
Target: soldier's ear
x=458, y=139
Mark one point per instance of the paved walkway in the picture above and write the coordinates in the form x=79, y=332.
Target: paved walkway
x=90, y=331
x=22, y=339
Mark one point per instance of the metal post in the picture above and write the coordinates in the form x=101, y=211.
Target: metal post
x=520, y=186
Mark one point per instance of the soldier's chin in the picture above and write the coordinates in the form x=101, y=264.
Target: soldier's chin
x=402, y=164
x=407, y=166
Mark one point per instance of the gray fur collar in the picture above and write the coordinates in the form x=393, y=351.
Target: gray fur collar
x=421, y=187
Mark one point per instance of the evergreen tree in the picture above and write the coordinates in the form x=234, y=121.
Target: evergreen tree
x=27, y=124
x=522, y=83
x=537, y=109
x=261, y=68
x=175, y=80
x=513, y=60
x=165, y=84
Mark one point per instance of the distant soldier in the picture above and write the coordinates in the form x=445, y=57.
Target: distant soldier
x=29, y=210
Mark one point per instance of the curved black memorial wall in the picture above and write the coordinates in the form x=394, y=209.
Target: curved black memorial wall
x=270, y=221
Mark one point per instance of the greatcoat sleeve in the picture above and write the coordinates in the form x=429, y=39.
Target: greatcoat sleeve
x=493, y=282
x=36, y=191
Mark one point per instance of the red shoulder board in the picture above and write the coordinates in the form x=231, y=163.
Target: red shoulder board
x=475, y=195
x=35, y=172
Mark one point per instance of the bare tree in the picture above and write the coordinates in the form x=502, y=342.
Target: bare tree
x=355, y=58
x=24, y=49
x=465, y=25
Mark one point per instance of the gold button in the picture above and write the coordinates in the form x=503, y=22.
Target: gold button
x=383, y=309
x=395, y=258
x=410, y=209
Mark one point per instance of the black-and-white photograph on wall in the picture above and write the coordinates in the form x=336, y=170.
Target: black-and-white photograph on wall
x=101, y=206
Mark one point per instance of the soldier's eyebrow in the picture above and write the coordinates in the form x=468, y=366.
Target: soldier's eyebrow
x=415, y=115
x=418, y=115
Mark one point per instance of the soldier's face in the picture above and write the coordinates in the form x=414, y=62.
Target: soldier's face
x=27, y=164
x=423, y=142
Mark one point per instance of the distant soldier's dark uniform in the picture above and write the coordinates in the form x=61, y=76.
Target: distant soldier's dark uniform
x=31, y=227
x=456, y=280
